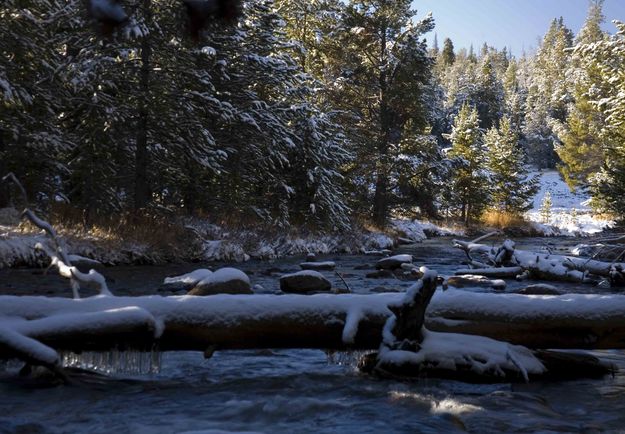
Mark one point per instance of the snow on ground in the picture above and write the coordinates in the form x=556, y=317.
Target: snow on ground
x=570, y=212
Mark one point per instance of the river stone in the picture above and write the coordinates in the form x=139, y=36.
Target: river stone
x=184, y=282
x=471, y=280
x=304, y=282
x=311, y=257
x=223, y=281
x=393, y=262
x=540, y=289
x=326, y=265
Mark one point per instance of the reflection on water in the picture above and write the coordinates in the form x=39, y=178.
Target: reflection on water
x=296, y=391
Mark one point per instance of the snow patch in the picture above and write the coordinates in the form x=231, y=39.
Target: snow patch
x=570, y=213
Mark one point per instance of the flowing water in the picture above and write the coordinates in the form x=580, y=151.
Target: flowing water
x=289, y=391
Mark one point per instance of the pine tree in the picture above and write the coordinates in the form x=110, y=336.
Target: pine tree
x=548, y=97
x=511, y=190
x=469, y=189
x=580, y=149
x=32, y=144
x=449, y=57
x=607, y=57
x=545, y=208
x=489, y=96
x=384, y=67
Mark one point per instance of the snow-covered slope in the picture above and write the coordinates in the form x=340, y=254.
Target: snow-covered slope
x=570, y=212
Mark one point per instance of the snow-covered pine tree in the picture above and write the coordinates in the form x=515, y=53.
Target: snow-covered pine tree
x=489, y=96
x=384, y=66
x=545, y=208
x=608, y=57
x=510, y=188
x=548, y=96
x=32, y=144
x=580, y=149
x=469, y=183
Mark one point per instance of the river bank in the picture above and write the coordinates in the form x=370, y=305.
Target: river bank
x=197, y=240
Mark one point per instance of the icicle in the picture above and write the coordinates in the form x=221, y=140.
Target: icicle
x=345, y=358
x=131, y=362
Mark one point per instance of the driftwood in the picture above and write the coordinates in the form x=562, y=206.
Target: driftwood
x=544, y=266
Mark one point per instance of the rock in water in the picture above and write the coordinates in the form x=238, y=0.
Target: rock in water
x=474, y=280
x=393, y=262
x=184, y=282
x=326, y=265
x=304, y=282
x=311, y=257
x=540, y=289
x=223, y=281
x=380, y=274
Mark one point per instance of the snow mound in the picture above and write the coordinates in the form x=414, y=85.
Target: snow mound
x=417, y=230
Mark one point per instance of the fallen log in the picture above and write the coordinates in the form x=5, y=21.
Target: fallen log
x=409, y=350
x=323, y=321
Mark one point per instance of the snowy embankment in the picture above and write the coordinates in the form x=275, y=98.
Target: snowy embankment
x=213, y=243
x=570, y=212
x=223, y=245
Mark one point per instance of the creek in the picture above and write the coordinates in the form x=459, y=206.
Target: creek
x=296, y=391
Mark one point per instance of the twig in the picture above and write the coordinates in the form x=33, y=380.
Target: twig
x=343, y=280
x=483, y=237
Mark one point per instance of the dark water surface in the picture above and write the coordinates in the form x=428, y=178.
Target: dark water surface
x=296, y=391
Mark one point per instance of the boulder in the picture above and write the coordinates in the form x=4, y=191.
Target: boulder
x=184, y=282
x=310, y=257
x=393, y=262
x=325, y=265
x=223, y=281
x=304, y=282
x=540, y=289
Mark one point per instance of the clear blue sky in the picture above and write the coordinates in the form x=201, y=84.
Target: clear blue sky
x=517, y=24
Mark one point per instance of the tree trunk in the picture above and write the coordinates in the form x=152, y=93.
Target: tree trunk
x=380, y=199
x=142, y=191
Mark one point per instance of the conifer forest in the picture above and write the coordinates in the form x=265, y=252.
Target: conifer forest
x=324, y=114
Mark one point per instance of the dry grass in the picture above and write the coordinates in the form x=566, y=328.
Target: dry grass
x=502, y=219
x=164, y=237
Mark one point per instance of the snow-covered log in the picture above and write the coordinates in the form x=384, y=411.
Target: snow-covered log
x=325, y=321
x=196, y=323
x=536, y=321
x=408, y=349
